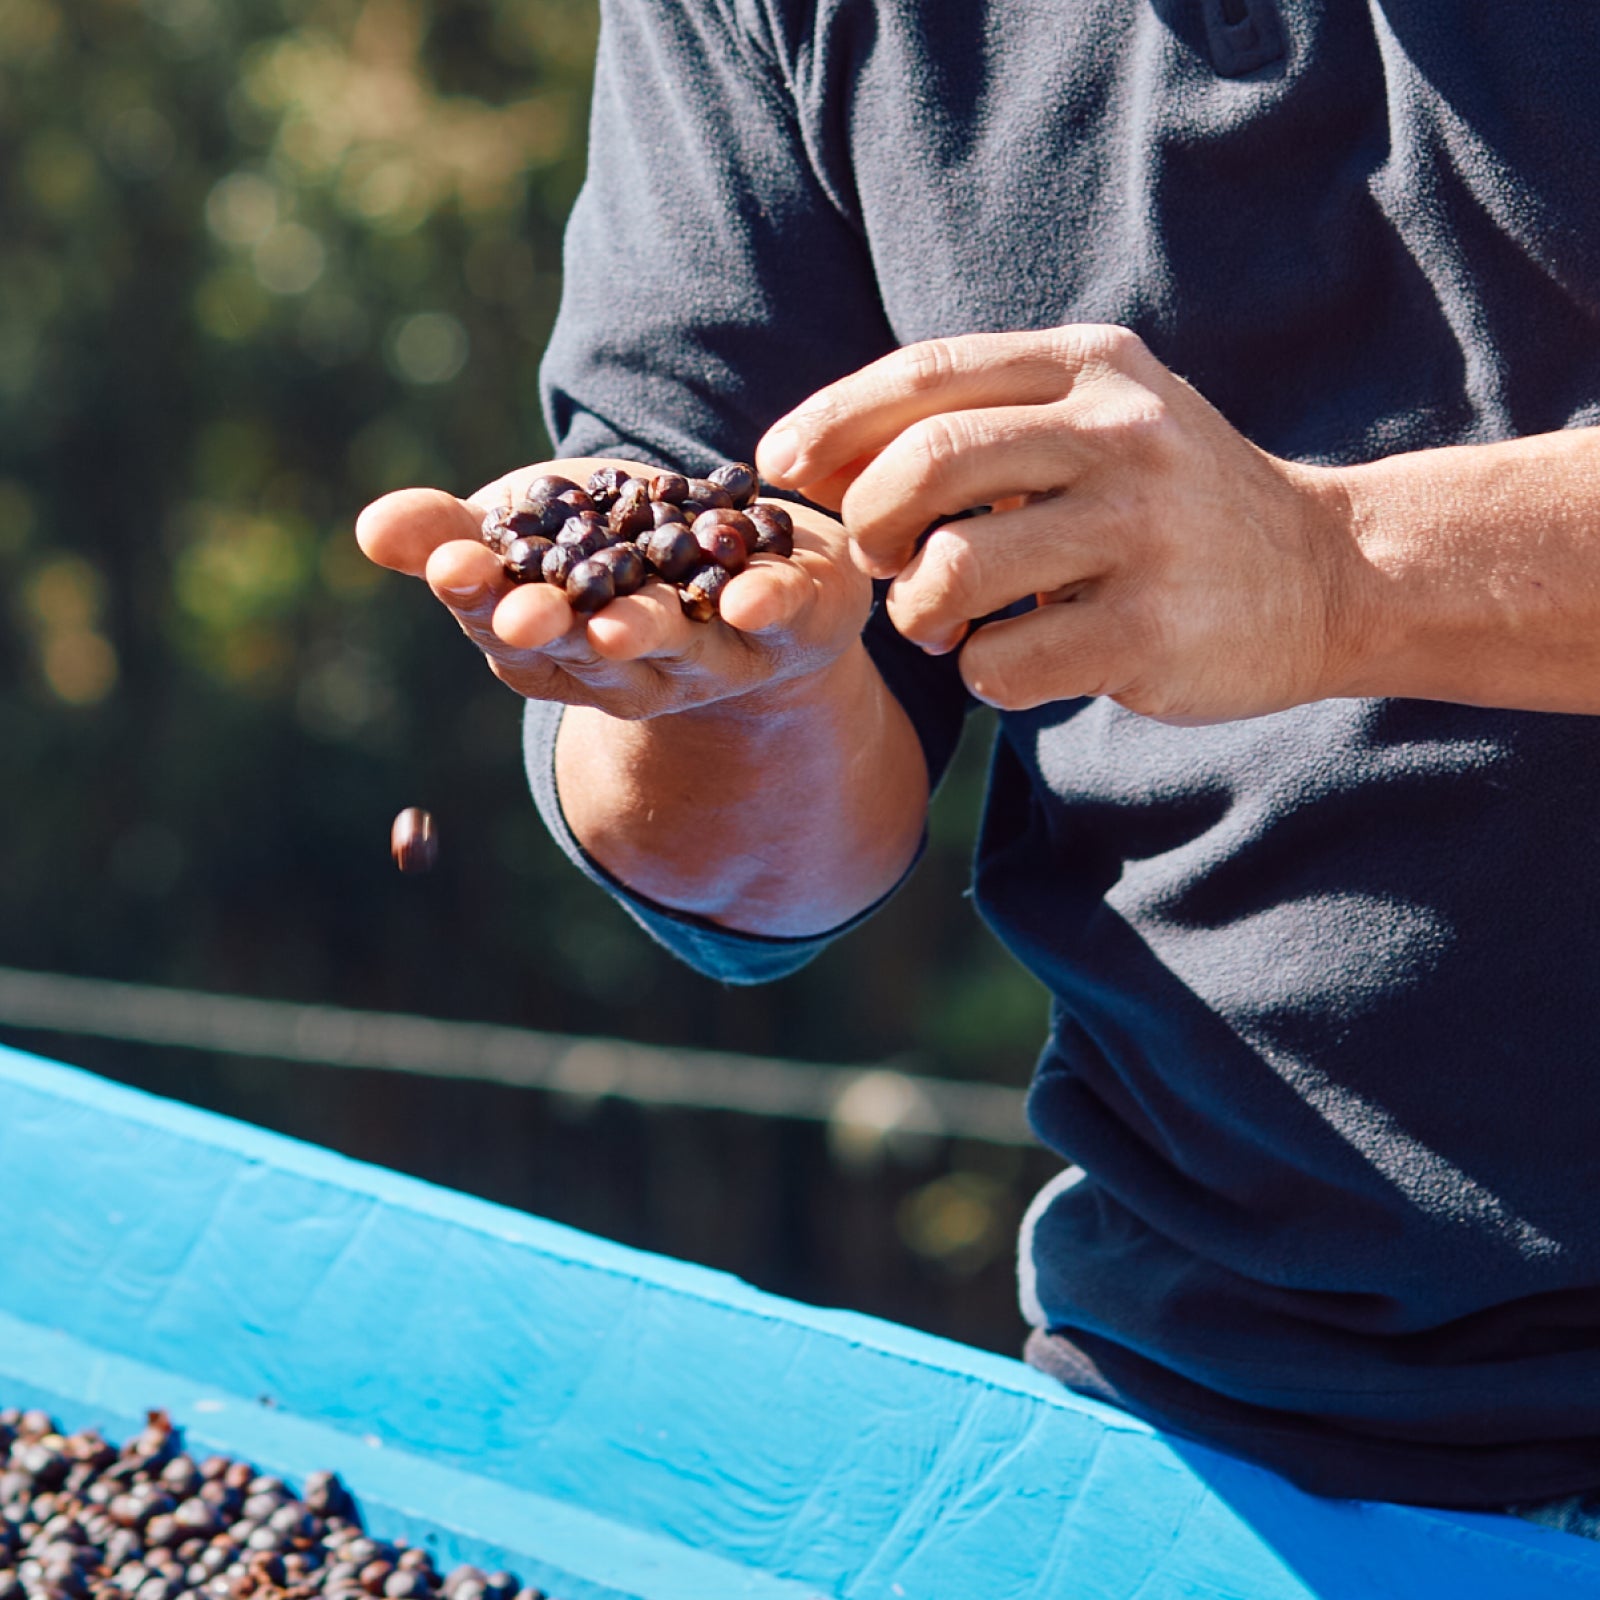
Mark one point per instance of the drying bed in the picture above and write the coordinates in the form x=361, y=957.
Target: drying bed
x=614, y=1425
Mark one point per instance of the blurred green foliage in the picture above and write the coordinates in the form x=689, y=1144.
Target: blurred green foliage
x=264, y=260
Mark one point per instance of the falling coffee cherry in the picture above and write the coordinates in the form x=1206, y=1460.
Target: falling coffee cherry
x=413, y=840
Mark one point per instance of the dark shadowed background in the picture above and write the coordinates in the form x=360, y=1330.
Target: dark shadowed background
x=261, y=261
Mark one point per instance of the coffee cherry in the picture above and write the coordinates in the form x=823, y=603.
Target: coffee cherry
x=414, y=843
x=523, y=559
x=590, y=586
x=626, y=565
x=630, y=516
x=564, y=508
x=538, y=493
x=739, y=479
x=502, y=526
x=710, y=495
x=774, y=530
x=736, y=520
x=559, y=560
x=672, y=551
x=603, y=485
x=584, y=533
x=675, y=524
x=702, y=594
x=720, y=543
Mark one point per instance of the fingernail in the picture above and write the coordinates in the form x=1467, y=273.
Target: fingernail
x=462, y=591
x=779, y=452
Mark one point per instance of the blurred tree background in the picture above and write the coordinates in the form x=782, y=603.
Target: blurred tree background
x=264, y=260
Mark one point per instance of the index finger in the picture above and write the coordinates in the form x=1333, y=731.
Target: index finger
x=827, y=440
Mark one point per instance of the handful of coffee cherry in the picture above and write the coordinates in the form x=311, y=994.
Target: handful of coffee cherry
x=614, y=534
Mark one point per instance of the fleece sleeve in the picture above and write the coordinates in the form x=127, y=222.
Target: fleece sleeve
x=712, y=280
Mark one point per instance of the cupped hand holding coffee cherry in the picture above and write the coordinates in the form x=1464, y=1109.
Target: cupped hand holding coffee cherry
x=685, y=740
x=638, y=654
x=1179, y=569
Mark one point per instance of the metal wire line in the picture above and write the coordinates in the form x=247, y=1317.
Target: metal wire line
x=582, y=1067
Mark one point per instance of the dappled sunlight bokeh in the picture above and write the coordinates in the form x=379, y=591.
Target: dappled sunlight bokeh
x=265, y=260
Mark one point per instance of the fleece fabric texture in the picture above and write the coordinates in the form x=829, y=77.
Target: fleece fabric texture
x=1325, y=983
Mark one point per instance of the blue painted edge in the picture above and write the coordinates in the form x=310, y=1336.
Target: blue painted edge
x=552, y=1239
x=459, y=1517
x=1226, y=1509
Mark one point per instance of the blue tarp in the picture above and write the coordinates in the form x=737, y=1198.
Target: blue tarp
x=611, y=1423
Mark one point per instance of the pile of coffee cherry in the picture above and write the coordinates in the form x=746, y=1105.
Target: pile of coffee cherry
x=610, y=536
x=81, y=1519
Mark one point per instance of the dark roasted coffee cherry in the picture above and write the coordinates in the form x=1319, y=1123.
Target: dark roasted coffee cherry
x=774, y=530
x=739, y=479
x=414, y=843
x=702, y=594
x=523, y=559
x=180, y=1477
x=216, y=1493
x=559, y=560
x=43, y=1462
x=584, y=534
x=630, y=516
x=325, y=1494
x=590, y=587
x=737, y=520
x=669, y=488
x=720, y=543
x=499, y=1586
x=627, y=566
x=495, y=530
x=662, y=514
x=692, y=509
x=403, y=1584
x=710, y=495
x=502, y=527
x=268, y=1567
x=575, y=500
x=375, y=1574
x=603, y=486
x=538, y=493
x=673, y=552
x=162, y=1530
x=194, y=1516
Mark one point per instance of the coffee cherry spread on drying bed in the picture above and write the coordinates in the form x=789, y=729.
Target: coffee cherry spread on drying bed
x=614, y=534
x=81, y=1519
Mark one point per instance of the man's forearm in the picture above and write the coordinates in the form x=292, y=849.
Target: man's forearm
x=783, y=812
x=1482, y=582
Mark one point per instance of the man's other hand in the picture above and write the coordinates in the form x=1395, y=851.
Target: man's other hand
x=1179, y=569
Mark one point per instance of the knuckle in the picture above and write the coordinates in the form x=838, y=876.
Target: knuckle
x=1114, y=344
x=927, y=365
x=1103, y=345
x=1133, y=419
x=954, y=568
x=935, y=445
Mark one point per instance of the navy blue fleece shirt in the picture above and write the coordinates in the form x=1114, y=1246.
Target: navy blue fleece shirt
x=1325, y=982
